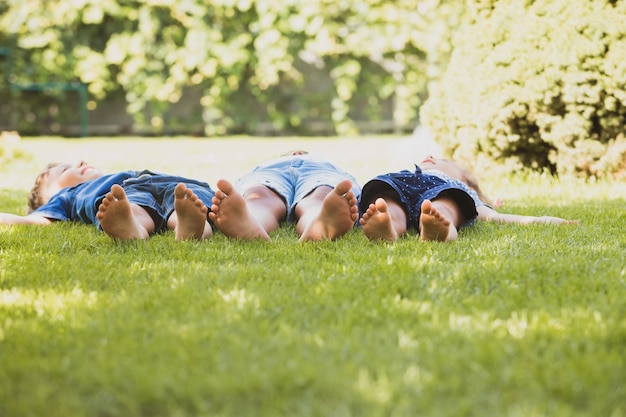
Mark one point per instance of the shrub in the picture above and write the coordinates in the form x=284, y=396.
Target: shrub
x=537, y=84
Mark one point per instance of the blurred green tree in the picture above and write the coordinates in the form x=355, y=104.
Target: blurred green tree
x=235, y=51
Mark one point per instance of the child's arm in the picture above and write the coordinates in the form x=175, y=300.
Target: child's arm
x=8, y=219
x=486, y=213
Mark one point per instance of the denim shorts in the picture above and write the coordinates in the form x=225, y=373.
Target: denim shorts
x=410, y=189
x=155, y=193
x=293, y=177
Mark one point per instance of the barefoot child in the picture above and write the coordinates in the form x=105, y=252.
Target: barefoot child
x=315, y=194
x=126, y=205
x=437, y=199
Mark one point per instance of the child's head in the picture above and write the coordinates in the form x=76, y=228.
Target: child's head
x=456, y=171
x=36, y=199
x=57, y=176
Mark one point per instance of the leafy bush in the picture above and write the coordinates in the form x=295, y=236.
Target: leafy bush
x=235, y=51
x=538, y=84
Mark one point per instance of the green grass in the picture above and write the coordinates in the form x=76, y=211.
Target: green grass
x=508, y=321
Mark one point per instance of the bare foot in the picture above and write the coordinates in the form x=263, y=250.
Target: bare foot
x=338, y=214
x=376, y=222
x=231, y=215
x=434, y=226
x=191, y=213
x=117, y=218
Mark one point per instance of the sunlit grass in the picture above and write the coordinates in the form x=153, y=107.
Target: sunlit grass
x=507, y=321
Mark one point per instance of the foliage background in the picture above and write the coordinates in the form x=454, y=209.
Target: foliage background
x=238, y=53
x=529, y=84
x=537, y=84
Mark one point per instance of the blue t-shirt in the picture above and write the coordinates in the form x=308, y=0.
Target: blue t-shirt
x=80, y=203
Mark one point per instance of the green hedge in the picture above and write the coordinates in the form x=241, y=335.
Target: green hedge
x=537, y=84
x=237, y=51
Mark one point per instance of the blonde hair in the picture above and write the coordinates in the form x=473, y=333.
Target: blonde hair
x=470, y=179
x=36, y=198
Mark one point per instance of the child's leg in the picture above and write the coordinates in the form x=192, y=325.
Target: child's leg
x=189, y=219
x=249, y=217
x=122, y=220
x=440, y=219
x=384, y=220
x=327, y=213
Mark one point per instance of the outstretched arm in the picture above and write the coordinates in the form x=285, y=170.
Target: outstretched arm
x=486, y=213
x=8, y=219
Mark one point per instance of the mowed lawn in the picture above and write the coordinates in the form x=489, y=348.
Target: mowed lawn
x=509, y=320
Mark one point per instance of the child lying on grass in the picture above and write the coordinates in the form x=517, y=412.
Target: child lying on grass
x=437, y=199
x=315, y=194
x=125, y=205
